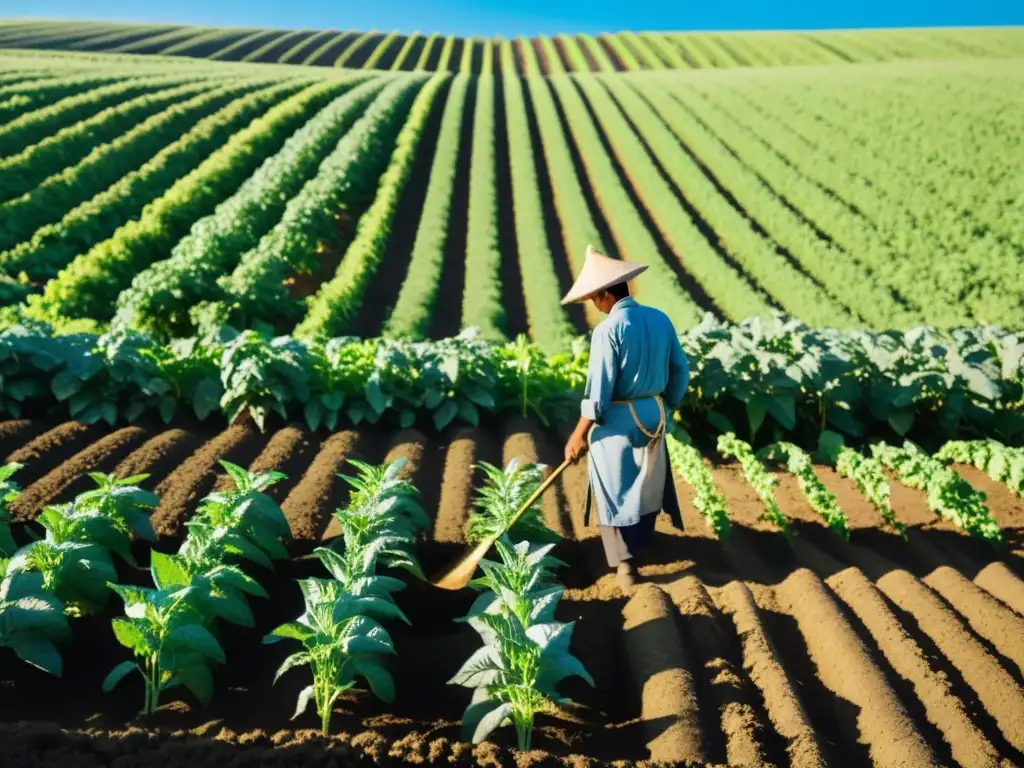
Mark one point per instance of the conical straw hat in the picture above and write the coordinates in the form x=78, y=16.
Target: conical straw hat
x=600, y=272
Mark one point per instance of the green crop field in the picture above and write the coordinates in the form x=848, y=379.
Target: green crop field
x=623, y=51
x=292, y=298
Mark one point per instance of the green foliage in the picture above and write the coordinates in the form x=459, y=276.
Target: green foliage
x=821, y=499
x=1002, y=463
x=340, y=632
x=313, y=221
x=336, y=303
x=526, y=652
x=9, y=491
x=503, y=494
x=949, y=495
x=760, y=479
x=32, y=620
x=161, y=297
x=707, y=499
x=867, y=473
x=412, y=313
x=75, y=556
x=104, y=196
x=91, y=283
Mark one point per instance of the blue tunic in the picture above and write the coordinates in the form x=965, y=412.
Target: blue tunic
x=634, y=355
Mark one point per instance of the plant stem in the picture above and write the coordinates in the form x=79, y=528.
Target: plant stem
x=524, y=733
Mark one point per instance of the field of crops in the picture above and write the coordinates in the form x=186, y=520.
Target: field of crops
x=169, y=195
x=223, y=282
x=781, y=643
x=621, y=51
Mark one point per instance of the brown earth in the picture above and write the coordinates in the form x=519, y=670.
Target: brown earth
x=877, y=651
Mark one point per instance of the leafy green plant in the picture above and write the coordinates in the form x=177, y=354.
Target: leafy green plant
x=1003, y=464
x=383, y=516
x=164, y=629
x=32, y=620
x=707, y=499
x=821, y=499
x=9, y=491
x=866, y=472
x=502, y=495
x=760, y=480
x=74, y=557
x=340, y=642
x=949, y=495
x=525, y=654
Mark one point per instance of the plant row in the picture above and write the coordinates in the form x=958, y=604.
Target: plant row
x=161, y=296
x=948, y=494
x=778, y=380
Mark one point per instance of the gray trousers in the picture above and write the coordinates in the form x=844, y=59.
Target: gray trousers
x=626, y=542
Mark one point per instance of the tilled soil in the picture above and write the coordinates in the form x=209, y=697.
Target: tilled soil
x=877, y=651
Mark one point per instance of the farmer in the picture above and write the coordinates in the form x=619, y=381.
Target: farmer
x=638, y=375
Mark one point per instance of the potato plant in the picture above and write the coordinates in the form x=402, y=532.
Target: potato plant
x=707, y=499
x=526, y=652
x=75, y=557
x=9, y=491
x=340, y=629
x=32, y=620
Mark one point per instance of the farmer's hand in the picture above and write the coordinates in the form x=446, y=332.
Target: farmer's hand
x=576, y=446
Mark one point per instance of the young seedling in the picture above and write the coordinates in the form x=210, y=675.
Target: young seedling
x=503, y=494
x=340, y=643
x=760, y=480
x=949, y=495
x=866, y=472
x=821, y=499
x=707, y=499
x=164, y=629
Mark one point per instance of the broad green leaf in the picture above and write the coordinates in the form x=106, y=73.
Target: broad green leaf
x=38, y=651
x=198, y=679
x=167, y=570
x=117, y=674
x=130, y=634
x=483, y=668
x=491, y=722
x=293, y=630
x=378, y=678
x=198, y=638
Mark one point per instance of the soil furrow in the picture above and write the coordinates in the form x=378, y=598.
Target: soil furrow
x=48, y=450
x=658, y=665
x=1003, y=584
x=17, y=432
x=312, y=501
x=159, y=456
x=456, y=488
x=181, y=491
x=67, y=479
x=969, y=746
x=742, y=721
x=847, y=670
x=985, y=615
x=289, y=451
x=1000, y=694
x=762, y=663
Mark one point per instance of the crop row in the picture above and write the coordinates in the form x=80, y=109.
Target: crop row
x=575, y=53
x=948, y=494
x=753, y=379
x=171, y=628
x=667, y=170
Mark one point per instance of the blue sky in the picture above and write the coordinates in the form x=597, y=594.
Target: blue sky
x=531, y=17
